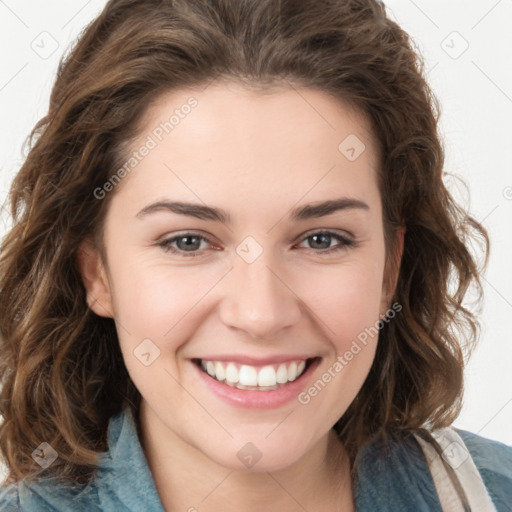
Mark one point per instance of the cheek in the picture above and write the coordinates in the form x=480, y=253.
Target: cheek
x=153, y=300
x=154, y=310
x=160, y=301
x=347, y=302
x=167, y=302
x=172, y=305
x=346, y=299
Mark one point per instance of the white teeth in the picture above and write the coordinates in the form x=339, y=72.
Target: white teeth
x=220, y=373
x=232, y=373
x=282, y=374
x=250, y=377
x=210, y=368
x=292, y=372
x=267, y=376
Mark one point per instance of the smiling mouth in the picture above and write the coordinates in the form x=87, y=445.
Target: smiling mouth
x=252, y=378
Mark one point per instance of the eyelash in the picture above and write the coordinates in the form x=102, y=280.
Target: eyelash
x=345, y=243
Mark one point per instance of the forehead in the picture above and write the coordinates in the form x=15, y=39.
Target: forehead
x=299, y=114
x=287, y=141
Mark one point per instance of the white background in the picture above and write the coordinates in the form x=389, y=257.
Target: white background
x=475, y=91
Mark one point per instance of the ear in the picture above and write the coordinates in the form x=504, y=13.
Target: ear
x=392, y=270
x=95, y=279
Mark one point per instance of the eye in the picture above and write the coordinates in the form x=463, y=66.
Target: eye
x=188, y=244
x=322, y=240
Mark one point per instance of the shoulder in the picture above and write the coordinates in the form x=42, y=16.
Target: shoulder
x=488, y=453
x=493, y=460
x=123, y=481
x=9, y=499
x=392, y=474
x=395, y=475
x=49, y=494
x=46, y=495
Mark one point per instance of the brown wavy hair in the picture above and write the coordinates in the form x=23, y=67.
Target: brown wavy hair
x=62, y=373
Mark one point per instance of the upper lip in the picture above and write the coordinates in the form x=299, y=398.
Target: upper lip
x=257, y=361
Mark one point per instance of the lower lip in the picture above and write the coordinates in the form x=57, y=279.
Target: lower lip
x=258, y=399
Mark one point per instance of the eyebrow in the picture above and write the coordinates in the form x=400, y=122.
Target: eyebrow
x=203, y=212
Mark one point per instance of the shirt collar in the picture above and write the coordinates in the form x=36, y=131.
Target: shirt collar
x=125, y=480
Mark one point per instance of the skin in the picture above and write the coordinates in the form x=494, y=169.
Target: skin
x=257, y=157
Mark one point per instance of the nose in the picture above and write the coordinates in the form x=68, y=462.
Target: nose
x=259, y=299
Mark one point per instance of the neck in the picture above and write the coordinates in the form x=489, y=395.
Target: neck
x=188, y=480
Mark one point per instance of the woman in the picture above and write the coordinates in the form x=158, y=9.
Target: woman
x=164, y=348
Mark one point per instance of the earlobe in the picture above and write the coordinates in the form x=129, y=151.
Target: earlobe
x=95, y=279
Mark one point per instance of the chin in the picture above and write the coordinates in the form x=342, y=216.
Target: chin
x=257, y=456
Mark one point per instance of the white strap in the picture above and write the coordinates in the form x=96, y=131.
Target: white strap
x=458, y=457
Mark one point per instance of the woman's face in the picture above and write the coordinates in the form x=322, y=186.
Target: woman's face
x=269, y=274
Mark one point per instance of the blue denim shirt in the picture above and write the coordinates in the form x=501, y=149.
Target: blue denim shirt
x=397, y=482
